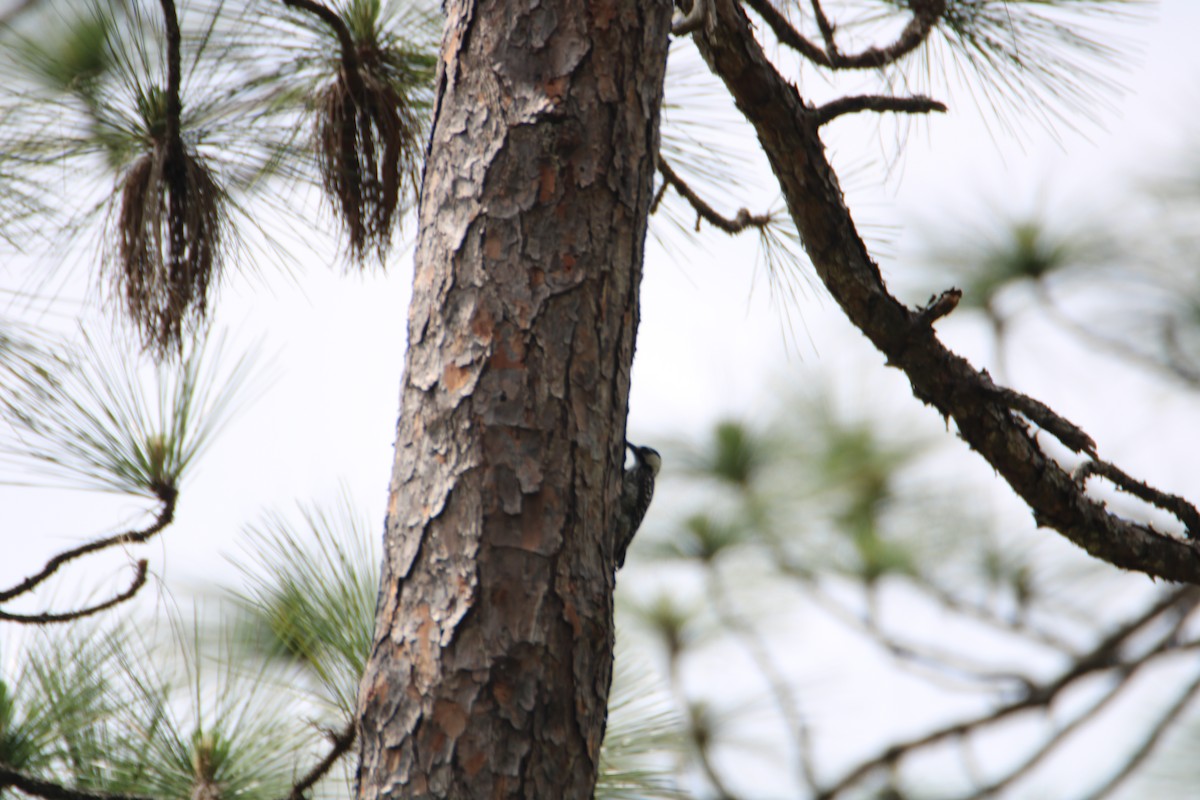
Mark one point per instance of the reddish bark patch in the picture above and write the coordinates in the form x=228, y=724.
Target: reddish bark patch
x=547, y=181
x=455, y=377
x=451, y=717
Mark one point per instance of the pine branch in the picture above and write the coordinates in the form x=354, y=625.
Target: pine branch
x=342, y=742
x=1184, y=511
x=1105, y=655
x=1149, y=742
x=338, y=25
x=940, y=378
x=787, y=34
x=139, y=580
x=926, y=14
x=1046, y=748
x=53, y=791
x=737, y=224
x=166, y=516
x=917, y=104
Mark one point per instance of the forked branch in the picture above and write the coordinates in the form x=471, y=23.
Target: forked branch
x=982, y=411
x=166, y=514
x=139, y=580
x=1107, y=654
x=926, y=14
x=1184, y=511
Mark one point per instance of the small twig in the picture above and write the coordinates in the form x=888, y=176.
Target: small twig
x=826, y=29
x=924, y=663
x=984, y=615
x=1043, y=416
x=1173, y=362
x=917, y=104
x=1103, y=656
x=697, y=729
x=926, y=13
x=786, y=34
x=342, y=742
x=1178, y=363
x=702, y=743
x=1173, y=504
x=741, y=222
x=139, y=580
x=165, y=516
x=53, y=791
x=1149, y=743
x=1046, y=748
x=658, y=196
x=785, y=700
x=938, y=307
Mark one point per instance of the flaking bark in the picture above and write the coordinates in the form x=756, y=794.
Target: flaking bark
x=490, y=672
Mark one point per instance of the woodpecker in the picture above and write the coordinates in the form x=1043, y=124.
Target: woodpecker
x=637, y=490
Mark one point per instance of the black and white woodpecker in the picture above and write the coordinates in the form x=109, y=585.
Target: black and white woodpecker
x=637, y=490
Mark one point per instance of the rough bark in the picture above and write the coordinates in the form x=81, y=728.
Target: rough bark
x=492, y=660
x=992, y=420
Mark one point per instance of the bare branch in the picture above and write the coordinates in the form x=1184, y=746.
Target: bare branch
x=926, y=14
x=917, y=104
x=785, y=700
x=53, y=791
x=1046, y=748
x=1044, y=417
x=920, y=659
x=790, y=138
x=342, y=742
x=1184, y=511
x=1149, y=742
x=1105, y=655
x=139, y=580
x=741, y=222
x=825, y=27
x=982, y=614
x=786, y=34
x=165, y=516
x=702, y=739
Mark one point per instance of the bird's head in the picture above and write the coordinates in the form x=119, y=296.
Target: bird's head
x=647, y=456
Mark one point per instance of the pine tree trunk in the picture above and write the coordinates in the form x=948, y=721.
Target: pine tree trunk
x=490, y=672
